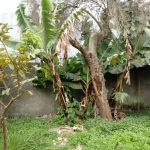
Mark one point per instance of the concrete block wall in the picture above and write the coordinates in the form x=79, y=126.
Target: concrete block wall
x=143, y=83
x=42, y=102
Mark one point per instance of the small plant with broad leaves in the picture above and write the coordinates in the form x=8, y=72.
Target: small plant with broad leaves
x=70, y=114
x=122, y=97
x=75, y=113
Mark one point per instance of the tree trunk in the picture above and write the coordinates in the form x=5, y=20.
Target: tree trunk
x=96, y=74
x=58, y=84
x=100, y=91
x=3, y=123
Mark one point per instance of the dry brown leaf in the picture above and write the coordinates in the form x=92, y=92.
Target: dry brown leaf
x=62, y=44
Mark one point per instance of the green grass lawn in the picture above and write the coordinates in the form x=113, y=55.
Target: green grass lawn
x=131, y=133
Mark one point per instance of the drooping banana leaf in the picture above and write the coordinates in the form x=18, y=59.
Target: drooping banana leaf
x=138, y=63
x=116, y=69
x=65, y=29
x=12, y=43
x=72, y=17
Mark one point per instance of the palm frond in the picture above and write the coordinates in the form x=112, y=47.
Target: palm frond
x=24, y=21
x=61, y=40
x=121, y=97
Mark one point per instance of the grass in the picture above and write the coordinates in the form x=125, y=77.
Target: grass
x=131, y=133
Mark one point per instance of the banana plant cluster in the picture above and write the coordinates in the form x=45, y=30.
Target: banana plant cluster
x=47, y=41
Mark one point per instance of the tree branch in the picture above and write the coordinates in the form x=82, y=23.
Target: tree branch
x=98, y=23
x=10, y=102
x=78, y=46
x=2, y=104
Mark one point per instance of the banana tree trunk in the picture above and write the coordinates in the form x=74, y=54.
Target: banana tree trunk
x=58, y=84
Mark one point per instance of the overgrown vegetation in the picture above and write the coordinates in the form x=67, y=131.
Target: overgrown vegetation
x=101, y=53
x=131, y=133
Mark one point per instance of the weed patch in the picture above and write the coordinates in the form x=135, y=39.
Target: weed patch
x=131, y=133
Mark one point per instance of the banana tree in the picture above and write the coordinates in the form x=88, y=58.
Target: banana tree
x=54, y=40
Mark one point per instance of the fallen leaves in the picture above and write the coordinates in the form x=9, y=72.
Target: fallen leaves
x=65, y=130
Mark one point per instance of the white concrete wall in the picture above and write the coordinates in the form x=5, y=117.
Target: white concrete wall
x=7, y=15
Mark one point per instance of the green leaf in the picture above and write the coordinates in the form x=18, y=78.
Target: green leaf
x=146, y=43
x=75, y=15
x=121, y=97
x=5, y=37
x=26, y=81
x=116, y=69
x=138, y=63
x=147, y=30
x=22, y=74
x=72, y=85
x=6, y=92
x=28, y=92
x=7, y=76
x=47, y=33
x=15, y=83
x=72, y=76
x=11, y=66
x=24, y=21
x=141, y=100
x=58, y=9
x=12, y=42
